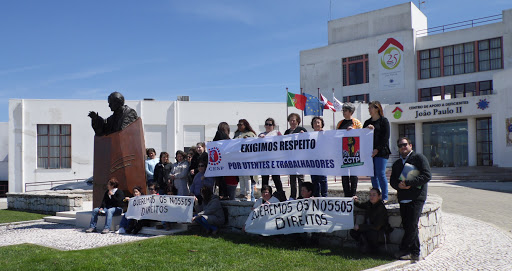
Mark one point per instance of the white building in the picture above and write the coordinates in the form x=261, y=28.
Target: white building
x=448, y=88
x=51, y=140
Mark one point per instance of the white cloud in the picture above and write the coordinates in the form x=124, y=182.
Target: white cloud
x=20, y=69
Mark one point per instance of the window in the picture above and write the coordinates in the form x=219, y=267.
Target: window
x=455, y=91
x=459, y=59
x=430, y=94
x=430, y=63
x=484, y=141
x=355, y=70
x=407, y=130
x=485, y=87
x=465, y=90
x=54, y=146
x=489, y=54
x=362, y=98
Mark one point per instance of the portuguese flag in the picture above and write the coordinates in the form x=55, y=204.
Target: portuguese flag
x=297, y=100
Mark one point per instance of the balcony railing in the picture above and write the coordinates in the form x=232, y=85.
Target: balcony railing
x=459, y=25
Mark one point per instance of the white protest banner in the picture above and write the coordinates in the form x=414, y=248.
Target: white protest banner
x=161, y=207
x=330, y=153
x=305, y=215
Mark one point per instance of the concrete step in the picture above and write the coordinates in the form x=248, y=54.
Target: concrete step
x=83, y=220
x=66, y=214
x=60, y=219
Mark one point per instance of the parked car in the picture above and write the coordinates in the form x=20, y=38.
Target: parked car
x=85, y=185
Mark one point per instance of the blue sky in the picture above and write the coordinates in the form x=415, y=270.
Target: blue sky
x=209, y=50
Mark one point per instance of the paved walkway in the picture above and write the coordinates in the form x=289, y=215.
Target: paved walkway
x=469, y=244
x=60, y=236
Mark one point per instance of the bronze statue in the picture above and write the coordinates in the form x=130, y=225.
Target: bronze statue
x=122, y=117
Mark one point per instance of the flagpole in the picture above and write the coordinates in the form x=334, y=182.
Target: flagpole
x=333, y=121
x=333, y=116
x=318, y=95
x=286, y=108
x=302, y=111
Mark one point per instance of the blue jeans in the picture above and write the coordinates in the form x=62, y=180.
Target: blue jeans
x=379, y=179
x=204, y=223
x=319, y=185
x=109, y=213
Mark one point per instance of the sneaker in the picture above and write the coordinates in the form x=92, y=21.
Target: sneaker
x=89, y=230
x=104, y=231
x=410, y=257
x=241, y=196
x=121, y=231
x=399, y=254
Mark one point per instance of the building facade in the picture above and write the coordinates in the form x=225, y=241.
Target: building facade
x=448, y=88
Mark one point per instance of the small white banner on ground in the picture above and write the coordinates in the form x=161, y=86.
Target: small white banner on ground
x=305, y=215
x=329, y=153
x=161, y=207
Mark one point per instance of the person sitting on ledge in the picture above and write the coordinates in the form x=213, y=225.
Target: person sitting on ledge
x=111, y=205
x=266, y=197
x=127, y=225
x=306, y=191
x=212, y=215
x=375, y=224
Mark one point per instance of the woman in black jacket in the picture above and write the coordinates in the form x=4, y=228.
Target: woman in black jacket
x=375, y=225
x=380, y=126
x=222, y=134
x=162, y=171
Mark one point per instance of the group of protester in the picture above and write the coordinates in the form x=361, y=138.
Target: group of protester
x=186, y=177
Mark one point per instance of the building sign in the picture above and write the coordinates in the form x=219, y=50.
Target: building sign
x=443, y=109
x=438, y=109
x=391, y=68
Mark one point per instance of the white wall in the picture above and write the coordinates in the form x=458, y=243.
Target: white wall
x=503, y=86
x=4, y=151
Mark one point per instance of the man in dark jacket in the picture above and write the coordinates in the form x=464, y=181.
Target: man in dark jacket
x=111, y=205
x=411, y=193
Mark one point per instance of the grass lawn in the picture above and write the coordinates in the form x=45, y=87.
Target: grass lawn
x=191, y=251
x=14, y=216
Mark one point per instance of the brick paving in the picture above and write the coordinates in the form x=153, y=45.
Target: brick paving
x=469, y=244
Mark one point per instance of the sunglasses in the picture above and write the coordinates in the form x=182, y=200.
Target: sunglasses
x=401, y=145
x=201, y=166
x=269, y=124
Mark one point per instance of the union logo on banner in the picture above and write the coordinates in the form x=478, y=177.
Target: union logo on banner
x=214, y=156
x=351, y=152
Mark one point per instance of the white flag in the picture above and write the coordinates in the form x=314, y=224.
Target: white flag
x=337, y=105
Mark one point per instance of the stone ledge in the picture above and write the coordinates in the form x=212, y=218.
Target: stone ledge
x=430, y=224
x=47, y=202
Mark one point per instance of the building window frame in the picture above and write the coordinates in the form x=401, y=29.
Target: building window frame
x=430, y=63
x=53, y=146
x=362, y=98
x=459, y=59
x=490, y=54
x=355, y=70
x=484, y=154
x=408, y=130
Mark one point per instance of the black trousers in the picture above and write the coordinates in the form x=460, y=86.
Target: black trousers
x=411, y=213
x=349, y=185
x=368, y=238
x=294, y=179
x=275, y=178
x=223, y=188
